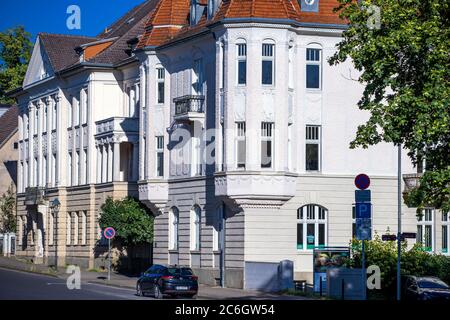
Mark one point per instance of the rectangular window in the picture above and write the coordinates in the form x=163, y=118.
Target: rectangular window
x=75, y=228
x=54, y=114
x=445, y=232
x=425, y=230
x=267, y=69
x=313, y=64
x=51, y=229
x=76, y=111
x=160, y=156
x=83, y=228
x=197, y=77
x=241, y=63
x=54, y=170
x=69, y=169
x=266, y=144
x=312, y=150
x=69, y=229
x=36, y=121
x=70, y=114
x=240, y=145
x=85, y=167
x=44, y=120
x=84, y=106
x=160, y=81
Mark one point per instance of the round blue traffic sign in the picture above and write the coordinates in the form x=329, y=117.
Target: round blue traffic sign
x=362, y=181
x=109, y=233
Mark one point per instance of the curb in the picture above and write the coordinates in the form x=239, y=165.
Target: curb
x=111, y=284
x=30, y=270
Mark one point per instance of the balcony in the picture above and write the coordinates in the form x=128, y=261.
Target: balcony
x=189, y=108
x=155, y=194
x=117, y=125
x=411, y=181
x=264, y=189
x=34, y=196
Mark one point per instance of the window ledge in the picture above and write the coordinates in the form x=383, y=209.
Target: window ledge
x=195, y=252
x=172, y=251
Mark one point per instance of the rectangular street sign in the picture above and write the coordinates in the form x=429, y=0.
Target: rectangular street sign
x=363, y=196
x=363, y=229
x=388, y=237
x=409, y=235
x=363, y=210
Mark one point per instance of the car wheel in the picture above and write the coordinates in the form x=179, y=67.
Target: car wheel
x=139, y=291
x=157, y=292
x=192, y=296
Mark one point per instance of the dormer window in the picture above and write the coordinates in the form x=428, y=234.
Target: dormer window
x=309, y=5
x=197, y=10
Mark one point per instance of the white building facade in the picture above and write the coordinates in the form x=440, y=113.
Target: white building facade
x=230, y=126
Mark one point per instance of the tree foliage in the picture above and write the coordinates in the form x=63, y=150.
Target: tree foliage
x=414, y=261
x=15, y=53
x=131, y=220
x=8, y=211
x=404, y=65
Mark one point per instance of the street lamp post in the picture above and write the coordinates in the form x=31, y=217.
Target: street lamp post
x=399, y=227
x=55, y=206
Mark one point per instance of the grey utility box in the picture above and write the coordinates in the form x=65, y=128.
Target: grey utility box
x=344, y=283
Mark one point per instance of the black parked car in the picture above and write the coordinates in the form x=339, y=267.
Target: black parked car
x=425, y=288
x=162, y=280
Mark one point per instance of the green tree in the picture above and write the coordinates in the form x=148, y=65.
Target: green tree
x=131, y=220
x=414, y=261
x=8, y=211
x=404, y=65
x=15, y=53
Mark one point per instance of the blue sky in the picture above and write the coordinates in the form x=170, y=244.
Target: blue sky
x=50, y=15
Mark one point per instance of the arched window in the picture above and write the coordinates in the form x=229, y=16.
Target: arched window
x=311, y=227
x=174, y=216
x=196, y=217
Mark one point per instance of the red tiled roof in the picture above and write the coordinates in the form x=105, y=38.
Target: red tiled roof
x=9, y=123
x=173, y=15
x=165, y=21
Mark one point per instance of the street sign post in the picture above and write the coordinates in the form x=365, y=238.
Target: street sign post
x=363, y=208
x=109, y=233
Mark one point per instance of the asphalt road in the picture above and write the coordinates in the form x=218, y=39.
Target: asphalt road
x=16, y=285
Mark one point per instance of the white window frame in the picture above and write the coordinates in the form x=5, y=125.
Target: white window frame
x=241, y=137
x=36, y=120
x=427, y=219
x=174, y=226
x=196, y=220
x=241, y=56
x=445, y=220
x=84, y=104
x=160, y=79
x=159, y=140
x=317, y=216
x=216, y=233
x=267, y=134
x=314, y=138
x=268, y=54
x=44, y=117
x=76, y=111
x=313, y=62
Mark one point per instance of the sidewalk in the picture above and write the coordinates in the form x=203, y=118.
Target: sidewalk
x=123, y=281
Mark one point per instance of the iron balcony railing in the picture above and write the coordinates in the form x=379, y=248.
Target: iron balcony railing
x=190, y=103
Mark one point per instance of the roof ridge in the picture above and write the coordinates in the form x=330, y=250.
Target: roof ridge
x=129, y=13
x=66, y=35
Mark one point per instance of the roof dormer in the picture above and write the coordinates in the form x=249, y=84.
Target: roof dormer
x=197, y=10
